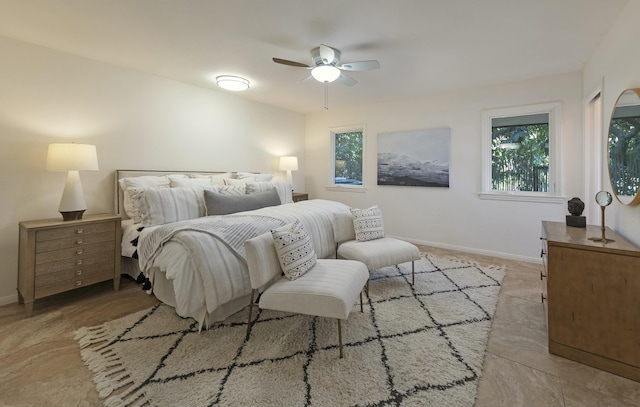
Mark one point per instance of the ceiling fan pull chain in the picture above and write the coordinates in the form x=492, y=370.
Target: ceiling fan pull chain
x=326, y=95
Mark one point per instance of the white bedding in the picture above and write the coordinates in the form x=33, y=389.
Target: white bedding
x=212, y=291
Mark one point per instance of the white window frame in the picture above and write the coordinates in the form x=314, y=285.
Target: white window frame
x=554, y=195
x=332, y=186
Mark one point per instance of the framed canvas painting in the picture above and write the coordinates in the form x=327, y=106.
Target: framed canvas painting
x=414, y=158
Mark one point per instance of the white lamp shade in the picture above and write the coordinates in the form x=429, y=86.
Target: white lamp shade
x=71, y=156
x=288, y=163
x=325, y=73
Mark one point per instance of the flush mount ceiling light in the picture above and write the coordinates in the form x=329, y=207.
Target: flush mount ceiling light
x=234, y=83
x=325, y=73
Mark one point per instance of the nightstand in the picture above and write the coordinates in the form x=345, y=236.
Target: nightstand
x=300, y=196
x=57, y=256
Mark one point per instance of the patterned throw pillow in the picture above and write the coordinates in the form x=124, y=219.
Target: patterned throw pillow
x=294, y=249
x=367, y=223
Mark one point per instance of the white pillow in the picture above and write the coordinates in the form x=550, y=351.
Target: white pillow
x=139, y=183
x=231, y=189
x=166, y=205
x=257, y=177
x=232, y=181
x=283, y=188
x=216, y=179
x=191, y=182
x=367, y=223
x=294, y=248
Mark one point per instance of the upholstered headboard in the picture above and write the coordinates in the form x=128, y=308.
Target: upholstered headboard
x=120, y=174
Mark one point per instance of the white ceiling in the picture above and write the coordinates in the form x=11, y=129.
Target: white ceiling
x=424, y=46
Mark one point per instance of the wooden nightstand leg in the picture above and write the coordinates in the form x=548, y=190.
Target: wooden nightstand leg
x=116, y=284
x=28, y=308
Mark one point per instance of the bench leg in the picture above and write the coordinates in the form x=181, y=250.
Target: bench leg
x=413, y=272
x=340, y=337
x=361, y=309
x=250, y=309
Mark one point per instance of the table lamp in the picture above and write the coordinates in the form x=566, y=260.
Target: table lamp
x=289, y=164
x=73, y=158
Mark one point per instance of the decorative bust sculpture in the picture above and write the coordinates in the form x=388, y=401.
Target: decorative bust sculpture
x=576, y=206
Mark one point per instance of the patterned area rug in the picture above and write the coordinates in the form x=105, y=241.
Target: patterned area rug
x=413, y=345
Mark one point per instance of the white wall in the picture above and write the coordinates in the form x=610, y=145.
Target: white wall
x=136, y=121
x=455, y=217
x=616, y=63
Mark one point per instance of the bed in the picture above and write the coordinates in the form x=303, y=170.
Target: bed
x=184, y=238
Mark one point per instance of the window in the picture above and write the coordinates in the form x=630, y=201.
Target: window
x=347, y=148
x=520, y=153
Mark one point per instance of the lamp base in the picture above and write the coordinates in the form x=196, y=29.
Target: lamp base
x=72, y=215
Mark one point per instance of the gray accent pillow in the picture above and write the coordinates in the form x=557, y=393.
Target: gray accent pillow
x=220, y=204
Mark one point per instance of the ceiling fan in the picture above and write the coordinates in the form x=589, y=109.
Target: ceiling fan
x=325, y=66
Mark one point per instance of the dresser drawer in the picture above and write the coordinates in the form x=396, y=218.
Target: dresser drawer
x=74, y=242
x=74, y=231
x=60, y=286
x=70, y=262
x=81, y=252
x=104, y=268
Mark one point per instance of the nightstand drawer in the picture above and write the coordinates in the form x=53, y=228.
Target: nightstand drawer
x=74, y=242
x=66, y=285
x=85, y=261
x=74, y=231
x=103, y=268
x=82, y=252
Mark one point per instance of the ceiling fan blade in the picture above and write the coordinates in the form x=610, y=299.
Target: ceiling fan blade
x=361, y=66
x=305, y=80
x=290, y=63
x=327, y=54
x=346, y=80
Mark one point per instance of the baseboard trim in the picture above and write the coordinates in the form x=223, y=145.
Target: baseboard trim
x=502, y=255
x=10, y=299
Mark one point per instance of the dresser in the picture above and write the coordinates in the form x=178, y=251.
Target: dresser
x=591, y=294
x=57, y=256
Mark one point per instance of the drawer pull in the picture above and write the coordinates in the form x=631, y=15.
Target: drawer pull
x=79, y=241
x=542, y=253
x=79, y=251
x=542, y=276
x=79, y=262
x=542, y=297
x=79, y=231
x=78, y=272
x=78, y=283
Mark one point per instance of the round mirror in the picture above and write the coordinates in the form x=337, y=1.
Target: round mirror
x=624, y=147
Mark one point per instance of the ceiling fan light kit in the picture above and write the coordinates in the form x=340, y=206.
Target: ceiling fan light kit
x=325, y=73
x=325, y=68
x=233, y=83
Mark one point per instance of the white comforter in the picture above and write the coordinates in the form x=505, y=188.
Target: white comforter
x=206, y=266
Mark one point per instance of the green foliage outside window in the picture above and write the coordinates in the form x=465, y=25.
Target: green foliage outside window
x=348, y=158
x=520, y=158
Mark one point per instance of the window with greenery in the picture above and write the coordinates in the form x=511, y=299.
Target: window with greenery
x=347, y=153
x=519, y=151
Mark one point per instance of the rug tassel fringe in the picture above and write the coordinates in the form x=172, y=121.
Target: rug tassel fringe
x=135, y=399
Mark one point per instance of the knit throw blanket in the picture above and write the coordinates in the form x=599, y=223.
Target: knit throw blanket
x=230, y=230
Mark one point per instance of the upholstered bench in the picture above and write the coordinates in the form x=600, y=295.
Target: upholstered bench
x=328, y=289
x=377, y=253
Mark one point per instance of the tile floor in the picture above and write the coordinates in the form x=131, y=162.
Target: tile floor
x=40, y=361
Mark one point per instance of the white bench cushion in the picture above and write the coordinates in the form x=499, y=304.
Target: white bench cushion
x=328, y=289
x=379, y=252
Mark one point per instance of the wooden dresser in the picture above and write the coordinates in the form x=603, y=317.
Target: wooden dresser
x=57, y=256
x=591, y=293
